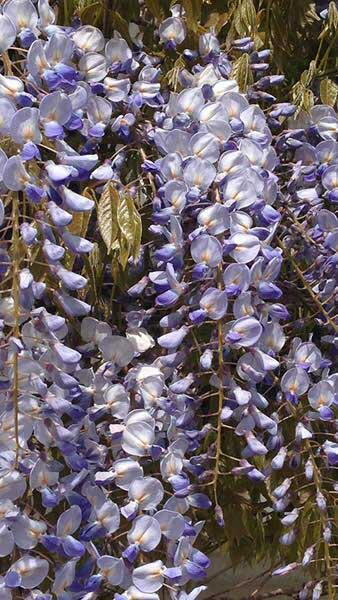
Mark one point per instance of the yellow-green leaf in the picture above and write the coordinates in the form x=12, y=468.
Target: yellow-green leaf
x=80, y=221
x=107, y=215
x=137, y=234
x=248, y=15
x=94, y=265
x=242, y=73
x=121, y=25
x=302, y=97
x=124, y=251
x=328, y=92
x=332, y=17
x=78, y=226
x=308, y=100
x=308, y=75
x=130, y=229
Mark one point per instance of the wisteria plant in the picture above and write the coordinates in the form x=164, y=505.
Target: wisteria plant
x=169, y=250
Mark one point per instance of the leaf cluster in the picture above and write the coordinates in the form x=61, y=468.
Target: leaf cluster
x=292, y=29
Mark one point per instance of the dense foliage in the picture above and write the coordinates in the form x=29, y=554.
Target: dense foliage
x=168, y=285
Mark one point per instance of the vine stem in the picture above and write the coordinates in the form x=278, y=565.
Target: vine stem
x=6, y=64
x=307, y=287
x=106, y=7
x=327, y=53
x=109, y=7
x=220, y=393
x=67, y=12
x=16, y=327
x=317, y=482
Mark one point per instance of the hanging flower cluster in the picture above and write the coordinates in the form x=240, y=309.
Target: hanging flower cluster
x=117, y=434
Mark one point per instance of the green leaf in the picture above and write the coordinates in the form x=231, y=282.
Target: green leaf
x=66, y=11
x=121, y=25
x=193, y=13
x=328, y=92
x=107, y=215
x=217, y=21
x=91, y=14
x=155, y=8
x=248, y=15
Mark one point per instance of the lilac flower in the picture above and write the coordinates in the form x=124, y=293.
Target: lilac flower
x=214, y=303
x=198, y=175
x=7, y=110
x=245, y=247
x=116, y=90
x=55, y=111
x=191, y=562
x=244, y=332
x=8, y=33
x=215, y=219
x=75, y=202
x=117, y=349
x=206, y=249
x=64, y=577
x=137, y=438
x=27, y=572
x=295, y=383
x=172, y=31
x=99, y=112
x=112, y=569
x=208, y=44
x=88, y=39
x=27, y=532
x=86, y=420
x=321, y=397
x=149, y=578
x=93, y=67
x=144, y=494
x=15, y=176
x=136, y=594
x=172, y=524
x=145, y=535
x=7, y=540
